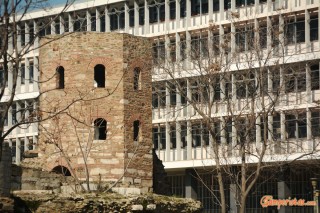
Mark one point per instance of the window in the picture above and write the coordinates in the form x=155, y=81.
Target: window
x=93, y=22
x=136, y=130
x=217, y=131
x=141, y=14
x=99, y=76
x=103, y=23
x=100, y=129
x=31, y=33
x=137, y=79
x=57, y=27
x=294, y=31
x=173, y=95
x=80, y=23
x=228, y=130
x=173, y=137
x=3, y=78
x=131, y=16
x=172, y=6
x=276, y=127
x=155, y=135
x=155, y=102
x=22, y=73
x=22, y=35
x=31, y=72
x=183, y=9
x=315, y=77
x=162, y=138
x=295, y=79
x=296, y=125
x=215, y=5
x=60, y=77
x=14, y=113
x=196, y=135
x=315, y=123
x=314, y=33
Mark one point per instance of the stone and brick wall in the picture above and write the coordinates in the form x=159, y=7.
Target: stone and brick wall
x=5, y=171
x=67, y=139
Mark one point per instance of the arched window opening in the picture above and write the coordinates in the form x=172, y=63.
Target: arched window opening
x=136, y=130
x=137, y=79
x=99, y=76
x=60, y=77
x=61, y=170
x=100, y=129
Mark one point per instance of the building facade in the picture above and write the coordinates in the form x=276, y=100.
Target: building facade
x=224, y=62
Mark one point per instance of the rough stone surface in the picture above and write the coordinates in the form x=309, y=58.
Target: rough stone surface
x=105, y=203
x=118, y=103
x=5, y=170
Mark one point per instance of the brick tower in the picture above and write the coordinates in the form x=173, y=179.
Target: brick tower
x=97, y=87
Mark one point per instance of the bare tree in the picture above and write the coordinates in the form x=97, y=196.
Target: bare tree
x=15, y=44
x=232, y=81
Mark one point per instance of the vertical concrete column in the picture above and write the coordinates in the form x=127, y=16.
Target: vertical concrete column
x=307, y=30
x=191, y=184
x=35, y=110
x=178, y=140
x=284, y=193
x=270, y=127
x=233, y=39
x=167, y=14
x=88, y=17
x=256, y=6
x=189, y=96
x=189, y=140
x=210, y=11
x=35, y=74
x=308, y=83
x=146, y=17
x=167, y=49
x=35, y=141
x=269, y=31
x=107, y=19
x=178, y=57
x=233, y=198
x=223, y=131
x=10, y=76
x=188, y=17
x=234, y=93
x=18, y=151
x=178, y=8
x=281, y=35
x=258, y=131
x=221, y=10
x=136, y=17
x=168, y=141
x=18, y=86
x=19, y=37
x=26, y=142
x=309, y=129
x=27, y=76
x=188, y=50
x=27, y=33
x=283, y=126
x=178, y=100
x=159, y=140
x=61, y=22
x=126, y=17
x=5, y=171
x=52, y=27
x=70, y=20
x=98, y=21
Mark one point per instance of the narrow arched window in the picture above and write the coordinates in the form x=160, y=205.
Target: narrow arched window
x=60, y=77
x=99, y=76
x=136, y=130
x=137, y=79
x=100, y=129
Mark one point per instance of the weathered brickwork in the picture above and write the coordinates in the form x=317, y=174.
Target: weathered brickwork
x=70, y=135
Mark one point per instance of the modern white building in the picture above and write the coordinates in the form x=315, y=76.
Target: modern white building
x=213, y=28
